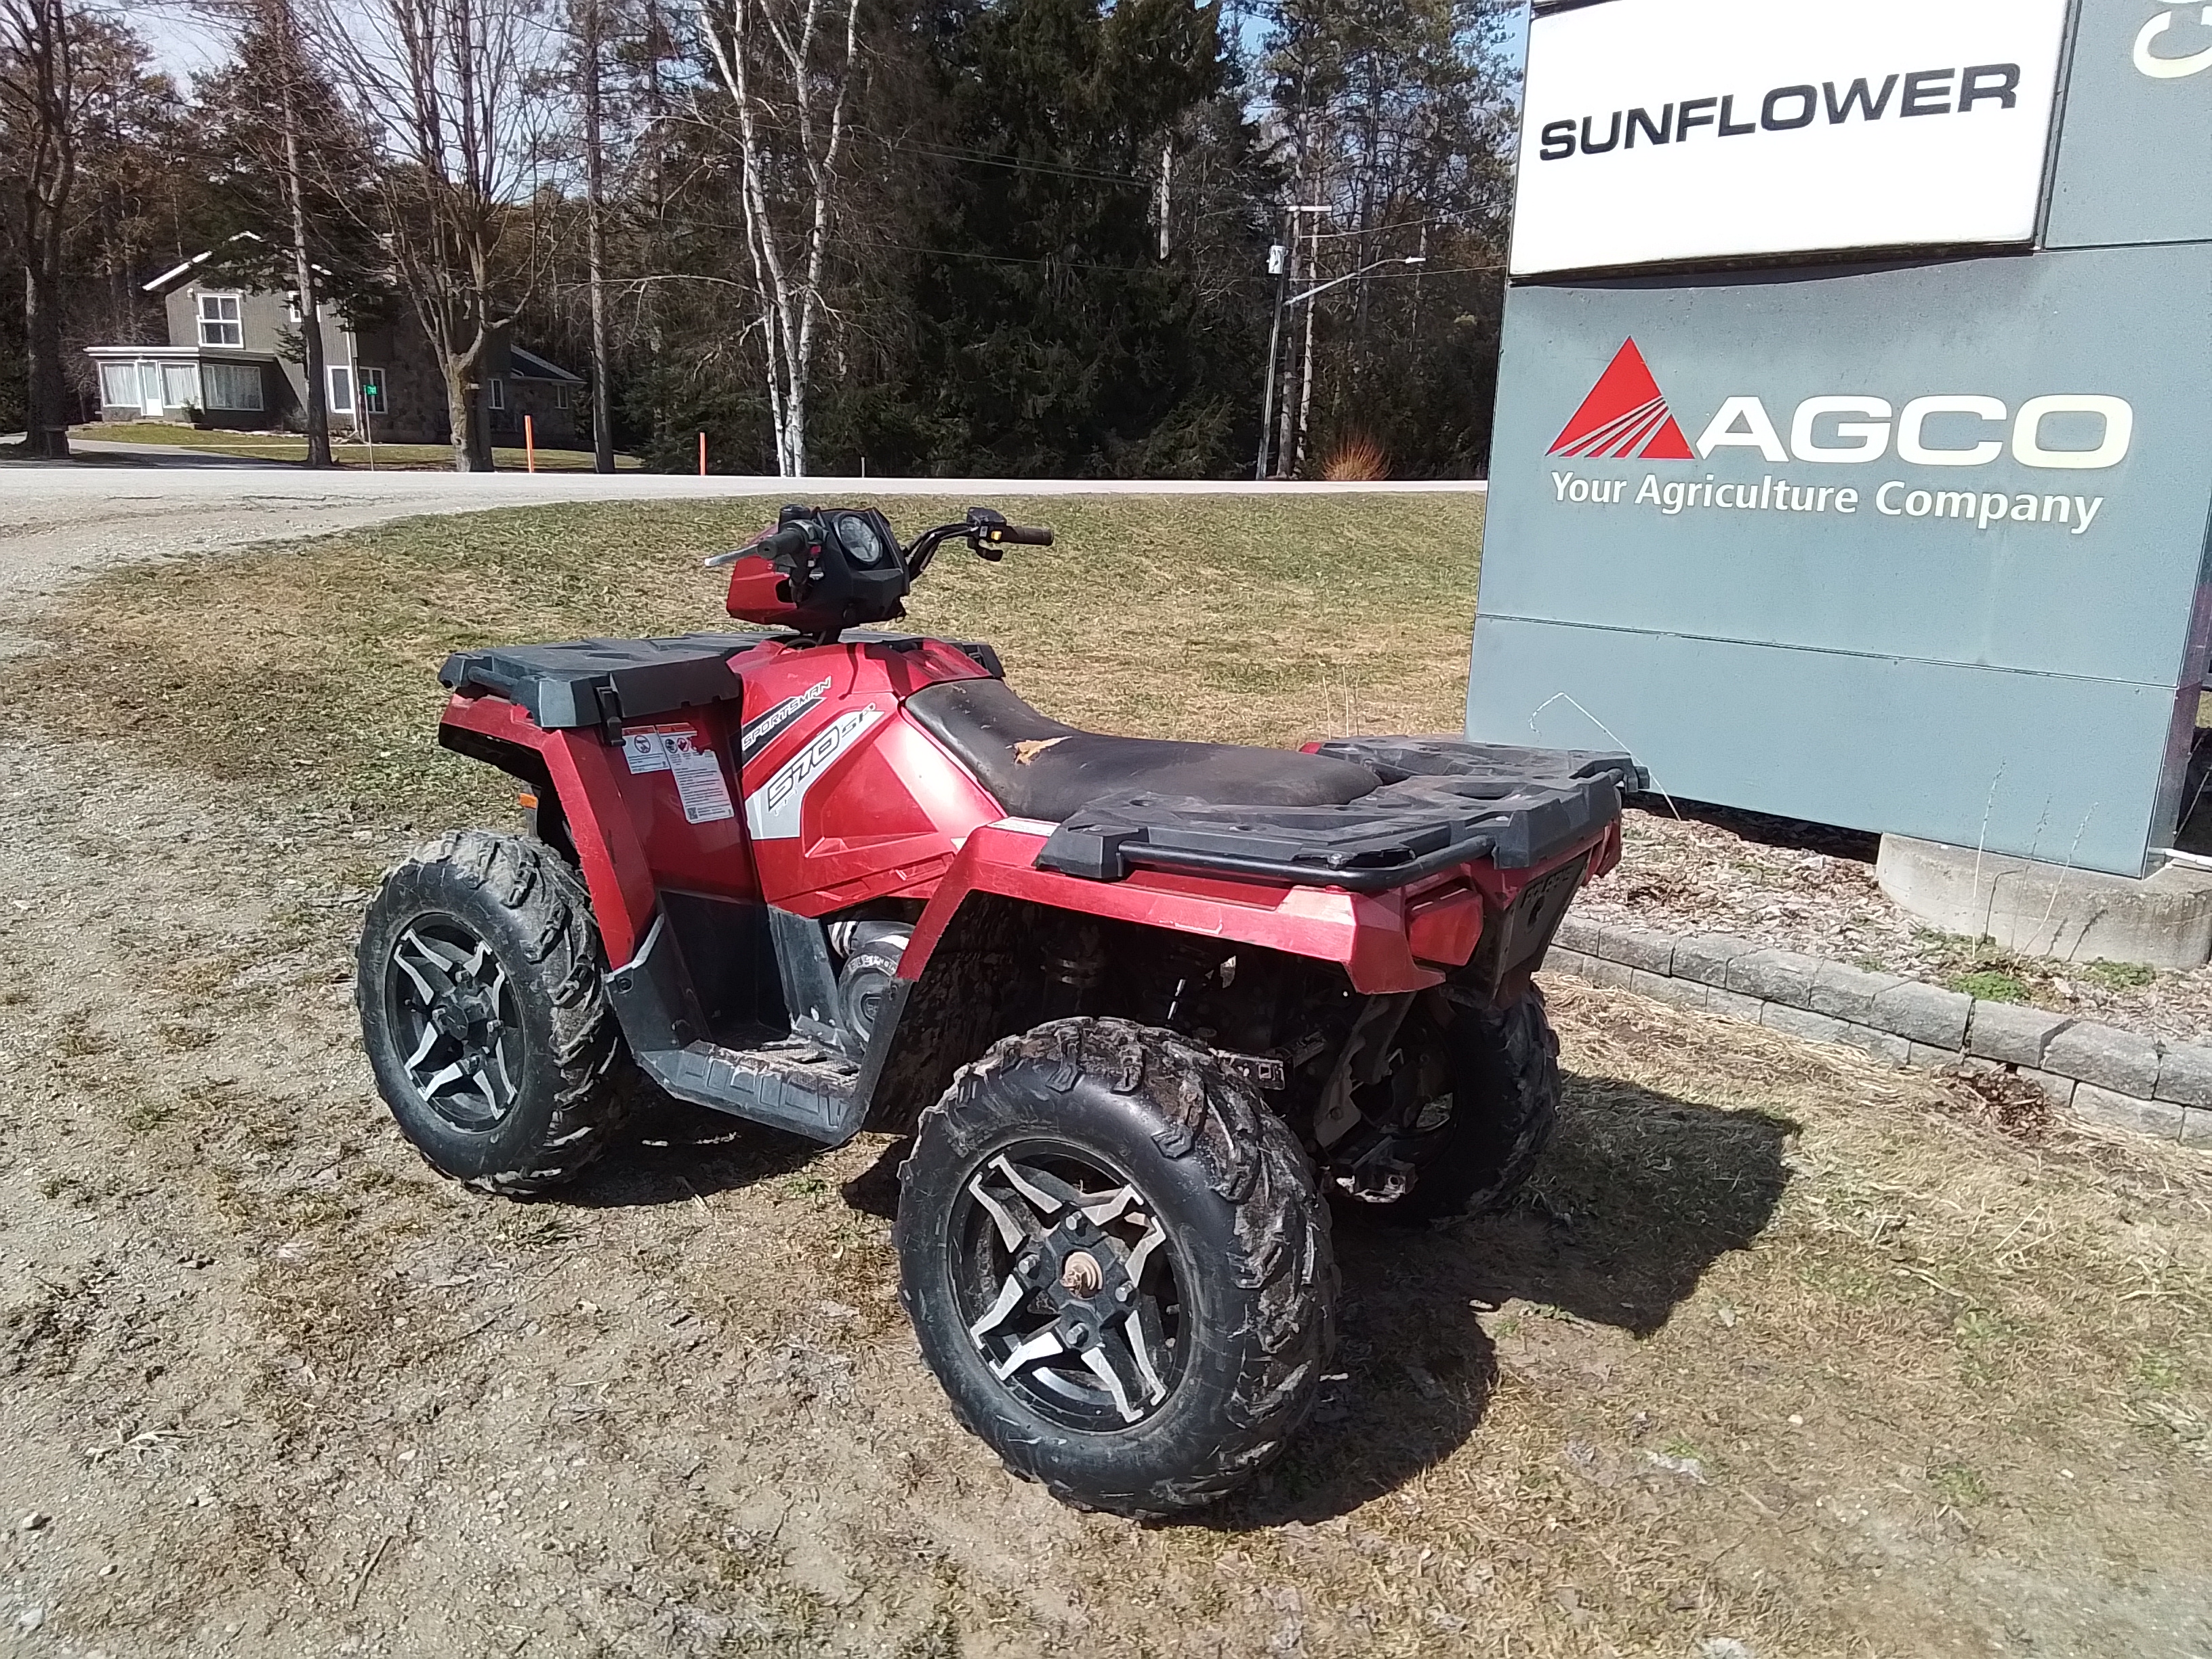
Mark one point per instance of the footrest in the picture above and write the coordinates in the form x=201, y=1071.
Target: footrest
x=815, y=1098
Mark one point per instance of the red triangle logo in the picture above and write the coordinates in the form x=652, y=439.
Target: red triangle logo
x=1626, y=414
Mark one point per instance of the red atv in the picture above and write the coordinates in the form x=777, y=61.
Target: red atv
x=1147, y=1009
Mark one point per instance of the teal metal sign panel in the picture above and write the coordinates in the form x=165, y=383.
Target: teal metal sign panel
x=2134, y=145
x=1911, y=547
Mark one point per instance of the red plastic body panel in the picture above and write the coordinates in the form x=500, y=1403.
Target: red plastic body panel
x=1365, y=932
x=852, y=801
x=583, y=769
x=846, y=799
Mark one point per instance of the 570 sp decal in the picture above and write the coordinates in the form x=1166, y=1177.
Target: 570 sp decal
x=772, y=809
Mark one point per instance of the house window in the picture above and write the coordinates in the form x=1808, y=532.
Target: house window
x=232, y=386
x=180, y=386
x=118, y=386
x=220, y=324
x=561, y=395
x=496, y=392
x=372, y=389
x=341, y=389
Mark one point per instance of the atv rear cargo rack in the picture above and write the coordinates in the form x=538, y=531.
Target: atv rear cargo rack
x=1443, y=802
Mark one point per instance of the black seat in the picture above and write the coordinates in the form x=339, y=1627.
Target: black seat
x=1039, y=768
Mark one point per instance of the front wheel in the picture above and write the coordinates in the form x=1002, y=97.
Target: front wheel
x=478, y=978
x=1117, y=1264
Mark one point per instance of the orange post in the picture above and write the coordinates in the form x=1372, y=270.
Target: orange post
x=529, y=443
x=702, y=454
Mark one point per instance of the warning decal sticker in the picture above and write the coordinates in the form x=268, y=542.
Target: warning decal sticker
x=697, y=770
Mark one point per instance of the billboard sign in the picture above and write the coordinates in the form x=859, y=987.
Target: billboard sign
x=1659, y=131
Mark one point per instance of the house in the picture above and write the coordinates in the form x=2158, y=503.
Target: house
x=232, y=360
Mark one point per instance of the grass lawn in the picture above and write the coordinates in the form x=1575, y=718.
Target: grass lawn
x=1259, y=621
x=405, y=457
x=1785, y=1354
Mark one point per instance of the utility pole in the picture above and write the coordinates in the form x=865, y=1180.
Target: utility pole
x=1279, y=262
x=595, y=253
x=303, y=266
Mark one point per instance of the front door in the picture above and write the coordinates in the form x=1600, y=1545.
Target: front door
x=149, y=390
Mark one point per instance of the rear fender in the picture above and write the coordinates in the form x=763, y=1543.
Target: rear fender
x=578, y=767
x=1364, y=933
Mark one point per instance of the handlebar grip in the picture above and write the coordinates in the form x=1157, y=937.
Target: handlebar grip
x=1021, y=535
x=791, y=538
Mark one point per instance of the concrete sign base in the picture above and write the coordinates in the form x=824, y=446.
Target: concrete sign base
x=2049, y=910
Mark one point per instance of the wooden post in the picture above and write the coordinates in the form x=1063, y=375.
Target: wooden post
x=529, y=444
x=702, y=454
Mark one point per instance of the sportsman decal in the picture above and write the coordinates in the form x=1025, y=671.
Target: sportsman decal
x=761, y=732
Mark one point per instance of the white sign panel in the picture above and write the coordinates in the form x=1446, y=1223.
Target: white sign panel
x=1659, y=130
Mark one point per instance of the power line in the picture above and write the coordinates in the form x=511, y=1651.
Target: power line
x=952, y=154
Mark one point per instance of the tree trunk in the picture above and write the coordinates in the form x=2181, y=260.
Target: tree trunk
x=45, y=415
x=595, y=252
x=1297, y=455
x=1286, y=433
x=47, y=69
x=464, y=409
x=303, y=267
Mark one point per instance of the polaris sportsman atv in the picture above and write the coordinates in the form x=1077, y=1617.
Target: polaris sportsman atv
x=1148, y=1010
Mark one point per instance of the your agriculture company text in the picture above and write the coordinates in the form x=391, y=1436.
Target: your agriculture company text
x=1985, y=509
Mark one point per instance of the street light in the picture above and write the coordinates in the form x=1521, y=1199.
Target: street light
x=1274, y=335
x=1334, y=281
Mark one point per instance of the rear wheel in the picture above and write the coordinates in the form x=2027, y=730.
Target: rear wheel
x=482, y=1012
x=1117, y=1264
x=1470, y=1107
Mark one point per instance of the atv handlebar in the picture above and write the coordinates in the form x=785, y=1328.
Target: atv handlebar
x=984, y=531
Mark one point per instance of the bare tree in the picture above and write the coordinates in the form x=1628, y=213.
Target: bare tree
x=39, y=98
x=273, y=53
x=790, y=83
x=590, y=47
x=282, y=27
x=443, y=84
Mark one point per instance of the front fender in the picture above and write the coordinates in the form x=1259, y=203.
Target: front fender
x=581, y=771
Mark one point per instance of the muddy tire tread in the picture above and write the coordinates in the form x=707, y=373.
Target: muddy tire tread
x=1252, y=1160
x=552, y=911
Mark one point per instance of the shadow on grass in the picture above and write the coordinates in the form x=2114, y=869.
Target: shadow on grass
x=1637, y=1196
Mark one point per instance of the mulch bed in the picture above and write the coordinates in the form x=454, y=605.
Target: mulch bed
x=1811, y=888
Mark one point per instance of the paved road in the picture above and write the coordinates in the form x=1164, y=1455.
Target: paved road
x=56, y=520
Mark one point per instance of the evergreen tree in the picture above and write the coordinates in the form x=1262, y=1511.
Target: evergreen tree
x=1051, y=333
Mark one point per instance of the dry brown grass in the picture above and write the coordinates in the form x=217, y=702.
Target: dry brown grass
x=313, y=665
x=1357, y=459
x=1783, y=1350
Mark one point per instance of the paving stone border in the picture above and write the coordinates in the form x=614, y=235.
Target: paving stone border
x=2097, y=1072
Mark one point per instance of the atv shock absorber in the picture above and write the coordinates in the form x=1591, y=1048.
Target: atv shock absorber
x=1188, y=965
x=1074, y=963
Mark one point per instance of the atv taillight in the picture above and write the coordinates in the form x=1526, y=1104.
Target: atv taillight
x=1442, y=927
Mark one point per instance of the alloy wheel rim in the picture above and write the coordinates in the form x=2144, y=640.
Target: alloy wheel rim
x=454, y=1015
x=1070, y=1286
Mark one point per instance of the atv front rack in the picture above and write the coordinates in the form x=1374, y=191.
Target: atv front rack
x=1443, y=803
